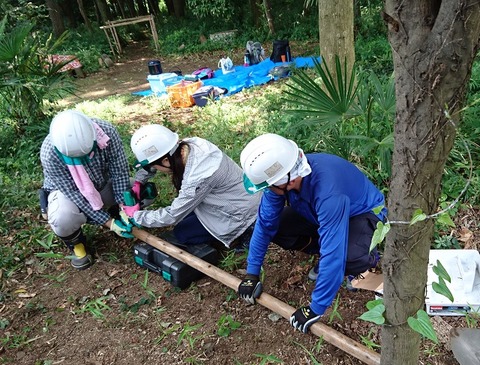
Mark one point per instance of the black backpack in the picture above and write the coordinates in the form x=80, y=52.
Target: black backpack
x=281, y=47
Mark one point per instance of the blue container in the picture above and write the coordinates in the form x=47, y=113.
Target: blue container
x=158, y=83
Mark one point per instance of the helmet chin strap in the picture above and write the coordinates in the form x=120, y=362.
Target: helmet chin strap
x=284, y=189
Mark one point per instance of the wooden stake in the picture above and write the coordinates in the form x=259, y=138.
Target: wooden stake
x=337, y=339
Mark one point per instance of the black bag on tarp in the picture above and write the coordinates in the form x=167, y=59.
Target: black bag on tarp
x=281, y=47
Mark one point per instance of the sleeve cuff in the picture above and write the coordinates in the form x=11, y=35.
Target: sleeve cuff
x=254, y=269
x=318, y=309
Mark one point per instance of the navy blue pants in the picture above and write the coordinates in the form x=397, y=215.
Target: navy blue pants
x=299, y=234
x=191, y=232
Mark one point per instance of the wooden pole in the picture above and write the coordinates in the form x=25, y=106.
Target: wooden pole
x=154, y=32
x=109, y=42
x=337, y=339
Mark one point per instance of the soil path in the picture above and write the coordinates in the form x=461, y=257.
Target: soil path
x=130, y=71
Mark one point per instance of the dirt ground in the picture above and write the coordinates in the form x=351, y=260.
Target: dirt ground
x=112, y=313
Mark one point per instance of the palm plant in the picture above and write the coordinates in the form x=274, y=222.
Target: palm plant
x=350, y=116
x=27, y=79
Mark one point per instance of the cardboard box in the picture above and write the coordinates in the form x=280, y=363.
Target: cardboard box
x=181, y=94
x=159, y=83
x=463, y=266
x=370, y=280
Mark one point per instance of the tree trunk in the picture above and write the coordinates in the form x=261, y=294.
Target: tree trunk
x=170, y=7
x=131, y=8
x=155, y=9
x=69, y=16
x=121, y=8
x=103, y=10
x=434, y=45
x=255, y=12
x=179, y=6
x=335, y=19
x=56, y=16
x=81, y=7
x=142, y=8
x=268, y=15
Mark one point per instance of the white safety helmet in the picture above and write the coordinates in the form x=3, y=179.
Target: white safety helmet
x=151, y=142
x=266, y=160
x=72, y=133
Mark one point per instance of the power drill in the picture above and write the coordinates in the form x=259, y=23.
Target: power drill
x=148, y=191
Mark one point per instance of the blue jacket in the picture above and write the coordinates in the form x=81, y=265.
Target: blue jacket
x=334, y=191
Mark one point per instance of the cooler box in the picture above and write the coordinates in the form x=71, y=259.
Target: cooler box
x=181, y=94
x=172, y=270
x=159, y=83
x=202, y=95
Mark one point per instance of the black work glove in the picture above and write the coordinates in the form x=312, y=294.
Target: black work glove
x=303, y=318
x=250, y=288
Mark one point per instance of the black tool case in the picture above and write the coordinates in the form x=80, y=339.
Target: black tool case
x=171, y=269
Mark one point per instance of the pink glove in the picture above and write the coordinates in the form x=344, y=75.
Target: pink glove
x=136, y=188
x=130, y=210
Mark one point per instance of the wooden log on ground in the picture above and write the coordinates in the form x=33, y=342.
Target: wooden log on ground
x=337, y=339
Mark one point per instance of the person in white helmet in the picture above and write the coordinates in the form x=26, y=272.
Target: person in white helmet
x=316, y=203
x=85, y=172
x=211, y=205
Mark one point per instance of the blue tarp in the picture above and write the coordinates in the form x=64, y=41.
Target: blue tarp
x=245, y=77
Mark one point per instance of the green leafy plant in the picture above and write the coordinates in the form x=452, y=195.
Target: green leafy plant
x=133, y=308
x=95, y=307
x=4, y=323
x=310, y=353
x=443, y=276
x=186, y=335
x=47, y=242
x=231, y=295
x=232, y=260
x=375, y=312
x=421, y=323
x=472, y=318
x=335, y=313
x=327, y=102
x=27, y=78
x=146, y=287
x=352, y=112
x=16, y=340
x=266, y=359
x=60, y=278
x=166, y=331
x=368, y=342
x=226, y=325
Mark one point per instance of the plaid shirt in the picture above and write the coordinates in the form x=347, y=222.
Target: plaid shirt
x=107, y=164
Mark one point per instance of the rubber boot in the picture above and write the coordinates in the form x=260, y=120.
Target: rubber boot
x=77, y=244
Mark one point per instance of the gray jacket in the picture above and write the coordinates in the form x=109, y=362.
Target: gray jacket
x=212, y=187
